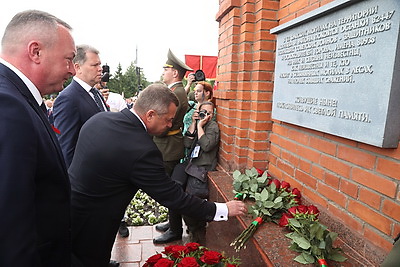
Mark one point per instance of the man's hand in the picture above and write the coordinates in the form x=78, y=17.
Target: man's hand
x=236, y=208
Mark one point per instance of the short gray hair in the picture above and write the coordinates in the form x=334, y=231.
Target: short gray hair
x=157, y=97
x=31, y=24
x=81, y=51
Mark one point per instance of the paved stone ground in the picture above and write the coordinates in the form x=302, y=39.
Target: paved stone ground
x=134, y=250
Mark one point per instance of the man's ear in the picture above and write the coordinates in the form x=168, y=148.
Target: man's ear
x=34, y=51
x=150, y=115
x=175, y=73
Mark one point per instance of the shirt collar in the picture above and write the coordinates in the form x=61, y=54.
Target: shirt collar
x=32, y=88
x=133, y=111
x=85, y=86
x=173, y=84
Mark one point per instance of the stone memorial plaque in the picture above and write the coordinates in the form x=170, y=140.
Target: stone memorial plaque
x=337, y=71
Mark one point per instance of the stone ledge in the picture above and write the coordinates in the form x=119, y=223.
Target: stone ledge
x=269, y=246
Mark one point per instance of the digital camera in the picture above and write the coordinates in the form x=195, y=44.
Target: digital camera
x=203, y=113
x=105, y=73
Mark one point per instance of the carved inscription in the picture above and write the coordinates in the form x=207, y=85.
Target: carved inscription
x=325, y=53
x=323, y=107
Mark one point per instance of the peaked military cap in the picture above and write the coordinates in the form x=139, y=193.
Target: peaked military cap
x=176, y=63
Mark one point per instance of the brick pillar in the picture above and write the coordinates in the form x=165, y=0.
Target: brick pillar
x=245, y=81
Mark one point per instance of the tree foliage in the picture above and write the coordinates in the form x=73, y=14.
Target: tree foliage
x=128, y=83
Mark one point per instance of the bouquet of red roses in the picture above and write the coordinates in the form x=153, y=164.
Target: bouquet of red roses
x=190, y=255
x=309, y=237
x=271, y=198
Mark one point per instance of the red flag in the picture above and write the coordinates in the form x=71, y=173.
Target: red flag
x=208, y=64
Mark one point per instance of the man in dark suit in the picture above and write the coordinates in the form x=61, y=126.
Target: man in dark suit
x=36, y=59
x=77, y=102
x=115, y=156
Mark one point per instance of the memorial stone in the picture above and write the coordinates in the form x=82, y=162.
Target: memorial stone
x=337, y=71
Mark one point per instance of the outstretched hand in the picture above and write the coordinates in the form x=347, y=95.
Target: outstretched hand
x=236, y=208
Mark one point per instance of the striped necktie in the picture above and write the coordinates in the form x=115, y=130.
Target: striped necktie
x=97, y=98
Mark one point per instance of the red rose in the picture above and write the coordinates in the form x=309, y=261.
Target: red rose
x=188, y=262
x=276, y=182
x=302, y=209
x=284, y=221
x=293, y=210
x=297, y=201
x=231, y=265
x=153, y=259
x=164, y=263
x=192, y=246
x=296, y=192
x=211, y=257
x=260, y=172
x=285, y=185
x=175, y=251
x=313, y=210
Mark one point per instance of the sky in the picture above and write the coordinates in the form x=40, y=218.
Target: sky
x=118, y=27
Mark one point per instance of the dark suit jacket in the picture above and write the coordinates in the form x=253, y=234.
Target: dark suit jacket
x=71, y=109
x=115, y=157
x=34, y=185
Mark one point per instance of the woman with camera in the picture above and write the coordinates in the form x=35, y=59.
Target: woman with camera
x=203, y=92
x=201, y=138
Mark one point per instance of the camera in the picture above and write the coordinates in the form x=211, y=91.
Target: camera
x=105, y=73
x=203, y=113
x=199, y=76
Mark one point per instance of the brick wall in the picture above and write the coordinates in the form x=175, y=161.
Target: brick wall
x=354, y=183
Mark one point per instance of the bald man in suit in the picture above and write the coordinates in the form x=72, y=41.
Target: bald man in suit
x=36, y=59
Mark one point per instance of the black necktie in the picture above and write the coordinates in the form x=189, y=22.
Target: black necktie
x=97, y=98
x=43, y=107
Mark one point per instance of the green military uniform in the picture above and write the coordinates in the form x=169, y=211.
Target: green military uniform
x=171, y=143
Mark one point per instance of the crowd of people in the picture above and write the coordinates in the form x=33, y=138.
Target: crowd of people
x=69, y=168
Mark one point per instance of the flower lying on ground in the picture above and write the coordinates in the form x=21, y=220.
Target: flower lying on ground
x=190, y=255
x=270, y=196
x=309, y=237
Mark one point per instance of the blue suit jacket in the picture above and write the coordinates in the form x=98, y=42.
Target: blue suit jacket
x=71, y=109
x=34, y=184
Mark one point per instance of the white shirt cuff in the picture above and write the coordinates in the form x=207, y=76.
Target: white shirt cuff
x=221, y=213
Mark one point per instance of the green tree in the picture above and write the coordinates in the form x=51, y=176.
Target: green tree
x=129, y=82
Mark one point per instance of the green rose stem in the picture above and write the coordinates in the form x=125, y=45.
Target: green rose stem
x=238, y=196
x=242, y=239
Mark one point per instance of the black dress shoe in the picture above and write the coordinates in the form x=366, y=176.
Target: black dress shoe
x=167, y=237
x=113, y=263
x=162, y=227
x=123, y=229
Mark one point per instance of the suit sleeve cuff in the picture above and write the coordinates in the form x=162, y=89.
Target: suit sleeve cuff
x=221, y=213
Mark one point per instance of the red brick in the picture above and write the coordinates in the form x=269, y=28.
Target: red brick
x=392, y=209
x=348, y=188
x=332, y=180
x=317, y=172
x=370, y=198
x=299, y=137
x=390, y=168
x=290, y=157
x=323, y=145
x=286, y=167
x=310, y=154
x=375, y=182
x=358, y=157
x=345, y=217
x=305, y=178
x=377, y=239
x=335, y=165
x=305, y=166
x=369, y=216
x=314, y=197
x=331, y=194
